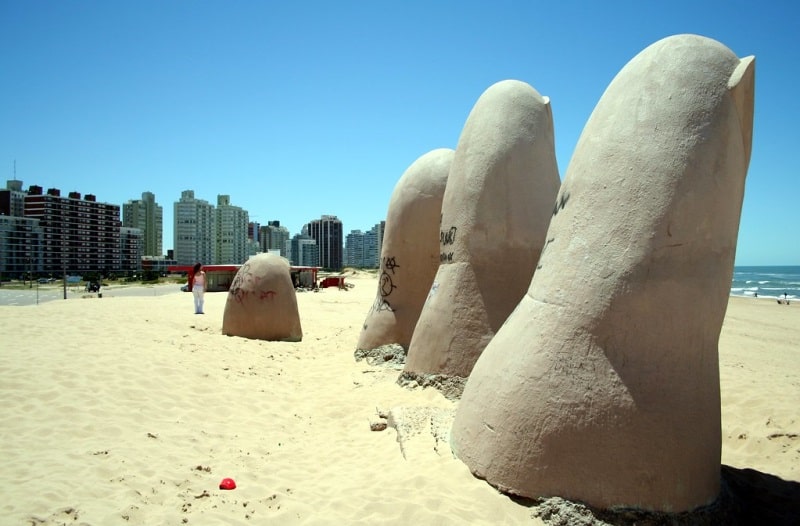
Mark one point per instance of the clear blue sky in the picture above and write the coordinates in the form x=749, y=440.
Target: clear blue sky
x=298, y=109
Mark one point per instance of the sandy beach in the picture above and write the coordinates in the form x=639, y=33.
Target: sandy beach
x=132, y=409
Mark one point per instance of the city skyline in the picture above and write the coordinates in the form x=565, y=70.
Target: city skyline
x=168, y=228
x=322, y=106
x=44, y=232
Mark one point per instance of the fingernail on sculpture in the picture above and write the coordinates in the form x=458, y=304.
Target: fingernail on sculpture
x=261, y=301
x=603, y=385
x=495, y=211
x=410, y=252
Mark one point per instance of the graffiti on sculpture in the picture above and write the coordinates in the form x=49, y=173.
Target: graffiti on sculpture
x=447, y=238
x=381, y=304
x=385, y=285
x=561, y=203
x=432, y=291
x=267, y=294
x=390, y=264
x=544, y=249
x=243, y=278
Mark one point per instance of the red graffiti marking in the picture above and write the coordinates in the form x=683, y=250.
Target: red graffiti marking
x=270, y=294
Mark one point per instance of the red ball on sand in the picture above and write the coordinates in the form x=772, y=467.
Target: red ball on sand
x=227, y=484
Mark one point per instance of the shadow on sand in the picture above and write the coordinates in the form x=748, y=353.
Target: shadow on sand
x=748, y=497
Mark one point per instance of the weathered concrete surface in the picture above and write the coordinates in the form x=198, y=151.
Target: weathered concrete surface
x=410, y=252
x=603, y=385
x=262, y=303
x=496, y=208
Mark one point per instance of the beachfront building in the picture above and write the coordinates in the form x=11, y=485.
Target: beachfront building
x=363, y=249
x=79, y=235
x=304, y=251
x=231, y=232
x=274, y=237
x=148, y=216
x=253, y=235
x=327, y=232
x=194, y=230
x=20, y=237
x=373, y=245
x=253, y=231
x=158, y=264
x=20, y=247
x=131, y=249
x=12, y=199
x=47, y=234
x=354, y=249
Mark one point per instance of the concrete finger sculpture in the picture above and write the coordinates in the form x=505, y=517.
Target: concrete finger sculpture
x=410, y=252
x=496, y=208
x=603, y=385
x=261, y=302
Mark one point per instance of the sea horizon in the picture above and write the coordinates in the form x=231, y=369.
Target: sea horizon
x=766, y=281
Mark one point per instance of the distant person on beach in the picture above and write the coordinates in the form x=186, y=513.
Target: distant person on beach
x=198, y=284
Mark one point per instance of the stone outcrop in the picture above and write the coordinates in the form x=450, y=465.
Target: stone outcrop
x=410, y=252
x=496, y=208
x=261, y=302
x=603, y=385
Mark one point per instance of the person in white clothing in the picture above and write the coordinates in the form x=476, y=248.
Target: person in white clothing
x=198, y=284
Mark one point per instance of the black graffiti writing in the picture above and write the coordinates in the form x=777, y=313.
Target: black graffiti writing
x=446, y=257
x=389, y=263
x=447, y=237
x=243, y=277
x=544, y=249
x=561, y=202
x=386, y=285
x=380, y=304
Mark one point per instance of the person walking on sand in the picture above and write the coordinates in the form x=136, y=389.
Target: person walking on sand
x=198, y=285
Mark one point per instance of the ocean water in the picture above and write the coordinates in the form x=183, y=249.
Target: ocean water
x=766, y=282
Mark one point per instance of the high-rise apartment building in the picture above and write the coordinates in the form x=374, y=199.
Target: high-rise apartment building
x=20, y=237
x=20, y=246
x=253, y=231
x=194, y=230
x=231, y=232
x=253, y=235
x=78, y=235
x=373, y=244
x=12, y=199
x=147, y=215
x=304, y=251
x=131, y=243
x=274, y=237
x=363, y=249
x=327, y=232
x=354, y=249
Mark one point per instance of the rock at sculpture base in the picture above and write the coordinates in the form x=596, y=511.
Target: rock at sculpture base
x=495, y=212
x=261, y=302
x=603, y=385
x=410, y=252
